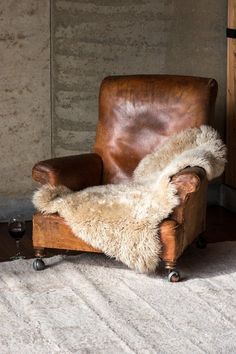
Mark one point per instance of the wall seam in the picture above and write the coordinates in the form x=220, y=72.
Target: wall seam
x=51, y=76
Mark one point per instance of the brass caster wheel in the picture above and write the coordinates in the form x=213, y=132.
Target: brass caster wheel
x=173, y=276
x=39, y=264
x=201, y=242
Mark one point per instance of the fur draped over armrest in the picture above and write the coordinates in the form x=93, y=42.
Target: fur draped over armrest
x=123, y=220
x=192, y=147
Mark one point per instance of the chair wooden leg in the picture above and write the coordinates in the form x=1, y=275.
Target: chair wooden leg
x=39, y=252
x=38, y=263
x=173, y=273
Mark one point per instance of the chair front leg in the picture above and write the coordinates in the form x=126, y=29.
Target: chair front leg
x=173, y=274
x=170, y=237
x=38, y=263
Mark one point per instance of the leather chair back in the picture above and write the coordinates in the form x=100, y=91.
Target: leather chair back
x=138, y=113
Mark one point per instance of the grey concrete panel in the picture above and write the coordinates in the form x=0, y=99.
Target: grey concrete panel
x=12, y=206
x=25, y=121
x=197, y=45
x=93, y=39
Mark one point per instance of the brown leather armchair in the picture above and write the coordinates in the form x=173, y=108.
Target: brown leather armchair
x=136, y=115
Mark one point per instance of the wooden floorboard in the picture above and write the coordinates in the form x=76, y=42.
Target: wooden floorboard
x=221, y=226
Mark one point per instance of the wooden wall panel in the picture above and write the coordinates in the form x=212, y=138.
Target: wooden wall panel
x=231, y=98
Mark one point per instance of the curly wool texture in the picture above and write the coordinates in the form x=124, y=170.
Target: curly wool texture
x=122, y=220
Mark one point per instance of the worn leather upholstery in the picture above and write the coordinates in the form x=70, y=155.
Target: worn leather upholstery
x=136, y=115
x=76, y=172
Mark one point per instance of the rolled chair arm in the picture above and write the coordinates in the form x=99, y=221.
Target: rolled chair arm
x=187, y=220
x=188, y=181
x=191, y=184
x=75, y=172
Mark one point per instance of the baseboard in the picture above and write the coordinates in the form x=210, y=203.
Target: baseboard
x=222, y=195
x=228, y=197
x=214, y=194
x=10, y=206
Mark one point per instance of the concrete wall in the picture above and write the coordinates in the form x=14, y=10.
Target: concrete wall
x=92, y=39
x=197, y=45
x=25, y=134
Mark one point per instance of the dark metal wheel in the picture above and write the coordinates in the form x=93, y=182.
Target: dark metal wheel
x=39, y=264
x=173, y=276
x=201, y=242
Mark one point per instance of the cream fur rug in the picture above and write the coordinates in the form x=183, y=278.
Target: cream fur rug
x=122, y=220
x=90, y=304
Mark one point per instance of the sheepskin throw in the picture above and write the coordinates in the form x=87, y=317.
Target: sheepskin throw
x=122, y=220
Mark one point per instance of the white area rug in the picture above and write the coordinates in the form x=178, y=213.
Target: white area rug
x=91, y=304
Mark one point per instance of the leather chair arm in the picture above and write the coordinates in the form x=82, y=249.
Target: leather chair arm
x=188, y=181
x=191, y=186
x=187, y=220
x=75, y=172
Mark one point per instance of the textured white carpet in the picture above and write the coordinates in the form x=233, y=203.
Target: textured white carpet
x=91, y=304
